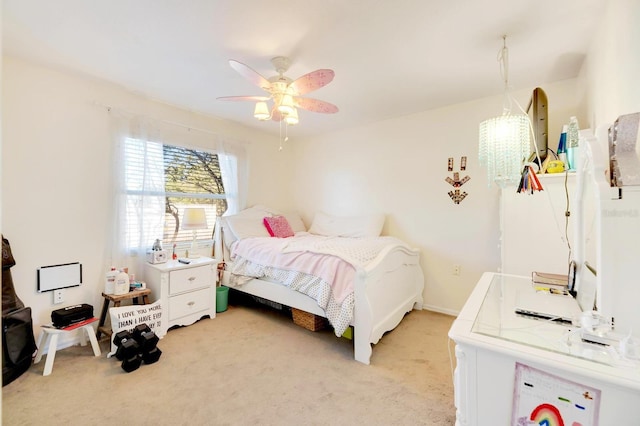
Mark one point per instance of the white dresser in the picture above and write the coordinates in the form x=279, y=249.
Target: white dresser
x=187, y=291
x=494, y=346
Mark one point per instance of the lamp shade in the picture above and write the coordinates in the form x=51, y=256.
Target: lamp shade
x=503, y=147
x=261, y=112
x=286, y=105
x=292, y=118
x=194, y=218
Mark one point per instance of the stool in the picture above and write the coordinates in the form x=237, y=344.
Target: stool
x=50, y=335
x=116, y=299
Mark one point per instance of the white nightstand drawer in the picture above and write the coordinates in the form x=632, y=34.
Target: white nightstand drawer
x=187, y=291
x=190, y=303
x=183, y=280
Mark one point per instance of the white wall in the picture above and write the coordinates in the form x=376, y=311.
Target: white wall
x=56, y=170
x=611, y=74
x=399, y=166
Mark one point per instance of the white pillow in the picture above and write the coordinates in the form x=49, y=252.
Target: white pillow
x=353, y=226
x=246, y=226
x=295, y=222
x=257, y=211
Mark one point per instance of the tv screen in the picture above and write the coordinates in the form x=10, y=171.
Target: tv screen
x=55, y=277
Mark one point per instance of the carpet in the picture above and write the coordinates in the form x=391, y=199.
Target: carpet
x=249, y=366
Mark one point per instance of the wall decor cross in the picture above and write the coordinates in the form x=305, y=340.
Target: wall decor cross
x=456, y=195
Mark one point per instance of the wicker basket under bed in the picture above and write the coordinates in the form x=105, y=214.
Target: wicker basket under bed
x=309, y=321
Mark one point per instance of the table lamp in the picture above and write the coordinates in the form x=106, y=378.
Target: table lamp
x=194, y=218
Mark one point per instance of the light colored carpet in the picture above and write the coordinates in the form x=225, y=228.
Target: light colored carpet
x=248, y=366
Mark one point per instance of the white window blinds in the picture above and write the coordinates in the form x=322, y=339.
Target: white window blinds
x=160, y=182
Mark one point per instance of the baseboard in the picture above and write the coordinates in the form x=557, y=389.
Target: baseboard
x=441, y=310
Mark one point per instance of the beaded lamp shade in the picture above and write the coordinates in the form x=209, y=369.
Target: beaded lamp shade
x=504, y=144
x=504, y=141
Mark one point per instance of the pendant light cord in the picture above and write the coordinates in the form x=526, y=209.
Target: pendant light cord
x=503, y=59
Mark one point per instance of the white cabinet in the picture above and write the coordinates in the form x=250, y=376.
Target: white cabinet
x=491, y=341
x=534, y=227
x=187, y=291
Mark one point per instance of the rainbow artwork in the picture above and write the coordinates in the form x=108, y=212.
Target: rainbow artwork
x=546, y=415
x=543, y=399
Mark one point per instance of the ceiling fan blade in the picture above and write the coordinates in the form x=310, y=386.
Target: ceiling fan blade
x=315, y=105
x=312, y=81
x=243, y=98
x=251, y=75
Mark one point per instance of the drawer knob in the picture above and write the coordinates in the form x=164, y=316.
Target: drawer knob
x=192, y=278
x=191, y=303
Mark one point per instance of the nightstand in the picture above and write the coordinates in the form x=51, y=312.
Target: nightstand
x=187, y=291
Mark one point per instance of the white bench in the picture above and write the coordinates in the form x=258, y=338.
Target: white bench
x=51, y=335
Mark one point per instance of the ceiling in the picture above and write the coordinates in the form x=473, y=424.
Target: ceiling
x=391, y=58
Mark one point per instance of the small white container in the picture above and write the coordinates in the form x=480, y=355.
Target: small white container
x=121, y=283
x=110, y=283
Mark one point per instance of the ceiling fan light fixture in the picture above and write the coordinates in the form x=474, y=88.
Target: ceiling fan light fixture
x=286, y=105
x=292, y=118
x=261, y=112
x=284, y=95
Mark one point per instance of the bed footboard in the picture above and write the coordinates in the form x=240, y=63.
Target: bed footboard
x=384, y=293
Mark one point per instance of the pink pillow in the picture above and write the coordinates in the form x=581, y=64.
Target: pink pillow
x=278, y=226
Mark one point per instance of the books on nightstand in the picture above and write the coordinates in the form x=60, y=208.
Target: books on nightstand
x=544, y=279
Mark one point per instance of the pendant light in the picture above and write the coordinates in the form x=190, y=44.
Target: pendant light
x=504, y=141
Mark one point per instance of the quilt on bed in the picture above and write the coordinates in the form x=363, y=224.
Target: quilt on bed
x=321, y=267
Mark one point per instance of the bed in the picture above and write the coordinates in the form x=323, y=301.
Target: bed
x=340, y=269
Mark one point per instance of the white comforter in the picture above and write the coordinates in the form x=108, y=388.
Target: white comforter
x=321, y=267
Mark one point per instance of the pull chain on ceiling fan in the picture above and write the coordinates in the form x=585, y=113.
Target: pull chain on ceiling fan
x=284, y=93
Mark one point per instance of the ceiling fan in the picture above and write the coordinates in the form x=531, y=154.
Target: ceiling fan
x=284, y=92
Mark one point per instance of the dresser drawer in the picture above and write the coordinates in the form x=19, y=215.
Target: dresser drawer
x=190, y=303
x=189, y=279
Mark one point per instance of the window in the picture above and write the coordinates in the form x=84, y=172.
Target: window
x=160, y=182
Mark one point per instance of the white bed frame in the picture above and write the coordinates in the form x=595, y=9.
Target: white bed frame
x=384, y=292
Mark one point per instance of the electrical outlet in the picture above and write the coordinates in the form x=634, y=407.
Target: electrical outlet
x=456, y=269
x=57, y=297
